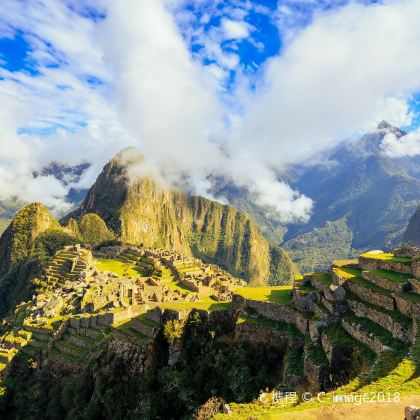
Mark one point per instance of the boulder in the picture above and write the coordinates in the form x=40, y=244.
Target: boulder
x=411, y=413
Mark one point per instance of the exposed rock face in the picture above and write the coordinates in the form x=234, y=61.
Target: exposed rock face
x=412, y=233
x=17, y=240
x=144, y=211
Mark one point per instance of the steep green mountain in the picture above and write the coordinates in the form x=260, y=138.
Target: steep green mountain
x=412, y=233
x=313, y=251
x=143, y=211
x=17, y=240
x=90, y=229
x=31, y=238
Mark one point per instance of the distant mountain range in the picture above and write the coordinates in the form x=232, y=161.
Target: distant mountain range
x=363, y=199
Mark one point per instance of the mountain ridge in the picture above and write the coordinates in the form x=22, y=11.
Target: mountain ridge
x=142, y=211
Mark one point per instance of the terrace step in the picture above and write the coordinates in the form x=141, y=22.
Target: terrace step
x=377, y=338
x=66, y=356
x=294, y=367
x=371, y=293
x=37, y=344
x=31, y=350
x=399, y=325
x=390, y=280
x=70, y=348
x=80, y=340
x=145, y=326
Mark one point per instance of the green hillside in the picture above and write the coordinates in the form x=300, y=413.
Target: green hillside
x=142, y=211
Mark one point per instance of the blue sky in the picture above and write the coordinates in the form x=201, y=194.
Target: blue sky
x=252, y=86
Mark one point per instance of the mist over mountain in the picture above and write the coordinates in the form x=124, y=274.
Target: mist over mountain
x=363, y=197
x=140, y=208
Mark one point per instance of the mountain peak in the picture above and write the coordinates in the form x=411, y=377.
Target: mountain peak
x=388, y=128
x=385, y=125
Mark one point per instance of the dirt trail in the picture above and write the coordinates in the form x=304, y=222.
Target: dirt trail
x=366, y=411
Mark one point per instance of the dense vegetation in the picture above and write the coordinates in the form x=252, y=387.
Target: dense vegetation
x=90, y=229
x=314, y=251
x=210, y=364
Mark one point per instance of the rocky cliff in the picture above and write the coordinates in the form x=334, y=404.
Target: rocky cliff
x=412, y=233
x=144, y=211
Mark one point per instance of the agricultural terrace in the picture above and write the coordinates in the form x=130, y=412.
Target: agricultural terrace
x=275, y=294
x=387, y=257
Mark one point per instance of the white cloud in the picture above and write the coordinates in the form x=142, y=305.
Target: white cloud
x=337, y=76
x=405, y=146
x=234, y=29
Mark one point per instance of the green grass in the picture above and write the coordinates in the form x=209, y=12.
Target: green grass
x=381, y=333
x=207, y=304
x=315, y=352
x=337, y=336
x=306, y=289
x=411, y=296
x=372, y=286
x=324, y=278
x=66, y=356
x=294, y=361
x=116, y=267
x=387, y=257
x=275, y=294
x=348, y=273
x=393, y=276
x=127, y=329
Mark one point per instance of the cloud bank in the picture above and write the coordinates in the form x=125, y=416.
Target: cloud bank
x=113, y=74
x=405, y=146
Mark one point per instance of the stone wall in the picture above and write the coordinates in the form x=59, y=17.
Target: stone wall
x=285, y=313
x=190, y=285
x=363, y=336
x=301, y=323
x=382, y=319
x=415, y=283
x=315, y=374
x=144, y=328
x=368, y=264
x=337, y=355
x=385, y=283
x=370, y=296
x=407, y=307
x=260, y=334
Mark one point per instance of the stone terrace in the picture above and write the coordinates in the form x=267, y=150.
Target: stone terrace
x=360, y=308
